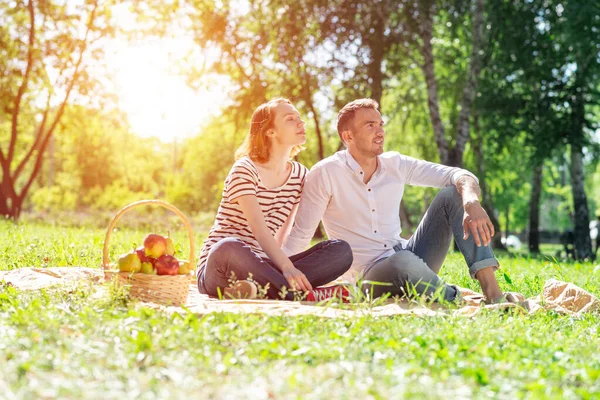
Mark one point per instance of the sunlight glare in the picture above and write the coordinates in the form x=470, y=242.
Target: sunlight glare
x=154, y=94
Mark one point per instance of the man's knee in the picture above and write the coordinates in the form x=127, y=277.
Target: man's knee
x=407, y=266
x=449, y=193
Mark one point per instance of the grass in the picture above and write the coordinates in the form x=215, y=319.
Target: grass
x=75, y=342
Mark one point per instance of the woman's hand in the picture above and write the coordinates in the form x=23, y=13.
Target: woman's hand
x=296, y=278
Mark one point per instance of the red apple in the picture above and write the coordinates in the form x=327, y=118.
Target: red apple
x=166, y=265
x=155, y=245
x=142, y=254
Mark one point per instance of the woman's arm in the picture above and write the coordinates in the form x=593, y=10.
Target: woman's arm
x=253, y=214
x=286, y=228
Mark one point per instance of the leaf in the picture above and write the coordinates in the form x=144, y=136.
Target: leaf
x=507, y=279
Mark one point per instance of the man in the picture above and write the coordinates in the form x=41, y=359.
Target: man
x=357, y=193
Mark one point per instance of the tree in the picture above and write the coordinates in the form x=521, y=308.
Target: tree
x=544, y=74
x=45, y=68
x=421, y=17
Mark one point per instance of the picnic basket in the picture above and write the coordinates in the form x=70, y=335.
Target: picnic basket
x=163, y=289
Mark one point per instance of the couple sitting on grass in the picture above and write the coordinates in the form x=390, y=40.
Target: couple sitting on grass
x=271, y=207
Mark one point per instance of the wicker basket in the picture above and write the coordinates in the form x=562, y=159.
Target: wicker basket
x=163, y=289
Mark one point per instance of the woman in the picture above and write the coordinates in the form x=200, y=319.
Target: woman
x=256, y=213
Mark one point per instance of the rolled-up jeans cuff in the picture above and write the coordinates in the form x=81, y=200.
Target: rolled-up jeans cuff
x=483, y=264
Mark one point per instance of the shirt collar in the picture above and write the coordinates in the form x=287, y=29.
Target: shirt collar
x=353, y=164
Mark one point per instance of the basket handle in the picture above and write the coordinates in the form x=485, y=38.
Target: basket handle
x=164, y=204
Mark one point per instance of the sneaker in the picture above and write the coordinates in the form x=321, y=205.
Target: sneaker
x=329, y=292
x=458, y=299
x=240, y=290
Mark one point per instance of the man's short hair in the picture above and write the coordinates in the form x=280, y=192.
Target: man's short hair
x=346, y=114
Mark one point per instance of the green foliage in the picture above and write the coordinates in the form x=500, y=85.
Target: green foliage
x=205, y=162
x=132, y=168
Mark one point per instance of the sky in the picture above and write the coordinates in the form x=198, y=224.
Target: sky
x=152, y=91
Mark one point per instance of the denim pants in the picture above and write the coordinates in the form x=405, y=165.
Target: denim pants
x=321, y=264
x=417, y=266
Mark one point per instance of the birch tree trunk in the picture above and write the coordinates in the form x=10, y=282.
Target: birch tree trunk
x=470, y=89
x=487, y=200
x=428, y=67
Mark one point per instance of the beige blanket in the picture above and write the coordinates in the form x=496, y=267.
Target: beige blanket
x=562, y=297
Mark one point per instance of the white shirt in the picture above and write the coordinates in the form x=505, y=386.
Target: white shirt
x=366, y=215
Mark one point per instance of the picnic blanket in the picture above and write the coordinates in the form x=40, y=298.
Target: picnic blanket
x=561, y=297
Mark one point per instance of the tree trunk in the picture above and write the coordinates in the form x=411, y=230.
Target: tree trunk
x=507, y=226
x=377, y=53
x=311, y=106
x=534, y=210
x=583, y=243
x=487, y=200
x=51, y=161
x=470, y=89
x=432, y=91
x=8, y=196
x=4, y=206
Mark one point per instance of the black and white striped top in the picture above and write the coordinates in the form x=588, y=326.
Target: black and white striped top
x=276, y=205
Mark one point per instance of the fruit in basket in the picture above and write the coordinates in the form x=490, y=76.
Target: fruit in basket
x=170, y=246
x=148, y=268
x=166, y=265
x=184, y=267
x=141, y=252
x=155, y=245
x=130, y=262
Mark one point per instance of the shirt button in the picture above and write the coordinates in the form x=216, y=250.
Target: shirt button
x=361, y=172
x=369, y=190
x=375, y=231
x=385, y=245
x=373, y=210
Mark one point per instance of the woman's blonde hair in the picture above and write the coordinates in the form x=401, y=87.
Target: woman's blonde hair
x=257, y=145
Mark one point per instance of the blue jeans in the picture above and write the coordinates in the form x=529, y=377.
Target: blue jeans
x=321, y=264
x=417, y=266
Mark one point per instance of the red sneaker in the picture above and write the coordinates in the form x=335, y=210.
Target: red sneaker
x=329, y=292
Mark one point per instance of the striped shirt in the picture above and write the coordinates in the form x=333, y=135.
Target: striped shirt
x=276, y=205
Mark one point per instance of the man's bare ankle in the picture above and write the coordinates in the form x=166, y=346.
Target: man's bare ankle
x=493, y=297
x=489, y=285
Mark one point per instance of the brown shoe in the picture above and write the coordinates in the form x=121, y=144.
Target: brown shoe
x=240, y=290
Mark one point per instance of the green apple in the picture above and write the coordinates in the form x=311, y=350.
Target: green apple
x=130, y=262
x=184, y=267
x=170, y=246
x=147, y=268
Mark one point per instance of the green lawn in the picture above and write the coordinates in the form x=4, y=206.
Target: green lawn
x=70, y=343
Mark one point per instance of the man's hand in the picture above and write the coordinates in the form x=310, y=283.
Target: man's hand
x=477, y=222
x=296, y=278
